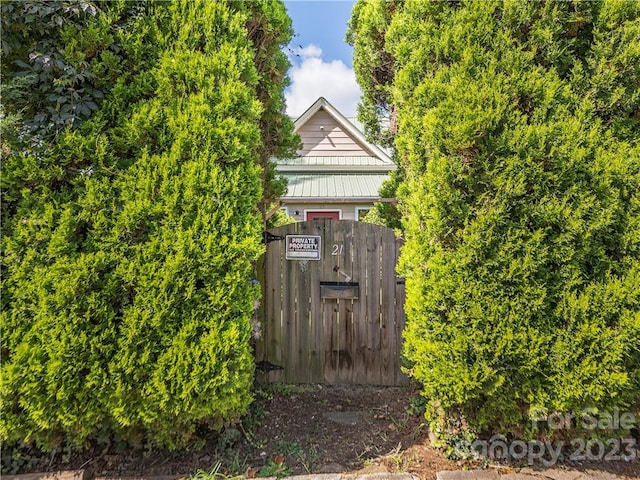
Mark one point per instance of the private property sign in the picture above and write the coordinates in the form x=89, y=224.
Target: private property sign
x=303, y=247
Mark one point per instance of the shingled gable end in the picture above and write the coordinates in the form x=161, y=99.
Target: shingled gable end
x=338, y=173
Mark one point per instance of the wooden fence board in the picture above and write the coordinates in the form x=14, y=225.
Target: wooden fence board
x=373, y=306
x=273, y=307
x=388, y=292
x=315, y=342
x=330, y=311
x=260, y=347
x=401, y=377
x=361, y=337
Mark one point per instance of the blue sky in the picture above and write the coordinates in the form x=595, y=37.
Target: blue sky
x=320, y=58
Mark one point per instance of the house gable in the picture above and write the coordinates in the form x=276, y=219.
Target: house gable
x=322, y=136
x=324, y=132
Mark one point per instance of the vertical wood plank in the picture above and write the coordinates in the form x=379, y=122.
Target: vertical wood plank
x=260, y=345
x=316, y=333
x=361, y=316
x=388, y=280
x=353, y=303
x=273, y=307
x=333, y=307
x=330, y=315
x=373, y=306
x=302, y=324
x=303, y=353
x=291, y=321
x=344, y=241
x=337, y=306
x=341, y=260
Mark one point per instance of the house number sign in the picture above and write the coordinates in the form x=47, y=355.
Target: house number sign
x=303, y=247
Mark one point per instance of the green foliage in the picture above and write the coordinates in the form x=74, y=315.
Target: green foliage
x=279, y=218
x=517, y=130
x=269, y=30
x=374, y=66
x=387, y=214
x=51, y=46
x=213, y=474
x=128, y=244
x=416, y=406
x=273, y=469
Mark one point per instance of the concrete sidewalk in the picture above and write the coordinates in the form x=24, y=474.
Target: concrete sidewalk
x=530, y=474
x=84, y=475
x=349, y=476
x=490, y=474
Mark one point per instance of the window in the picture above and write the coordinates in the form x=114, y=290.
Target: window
x=361, y=212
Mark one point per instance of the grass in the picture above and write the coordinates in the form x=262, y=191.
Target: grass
x=298, y=453
x=275, y=469
x=214, y=474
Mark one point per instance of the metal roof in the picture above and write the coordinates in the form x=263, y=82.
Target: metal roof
x=331, y=161
x=323, y=164
x=335, y=186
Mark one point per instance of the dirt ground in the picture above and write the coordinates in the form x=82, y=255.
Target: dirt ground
x=299, y=430
x=330, y=429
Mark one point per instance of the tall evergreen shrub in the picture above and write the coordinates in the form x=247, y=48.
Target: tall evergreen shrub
x=518, y=128
x=127, y=261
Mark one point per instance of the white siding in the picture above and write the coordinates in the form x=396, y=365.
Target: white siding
x=331, y=140
x=296, y=210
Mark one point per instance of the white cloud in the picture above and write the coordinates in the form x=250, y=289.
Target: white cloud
x=310, y=51
x=312, y=77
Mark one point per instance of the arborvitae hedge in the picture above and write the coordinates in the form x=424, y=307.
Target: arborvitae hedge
x=518, y=128
x=127, y=260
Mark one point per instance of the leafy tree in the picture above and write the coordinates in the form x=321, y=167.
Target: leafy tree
x=35, y=47
x=374, y=66
x=517, y=127
x=269, y=30
x=387, y=214
x=129, y=241
x=48, y=86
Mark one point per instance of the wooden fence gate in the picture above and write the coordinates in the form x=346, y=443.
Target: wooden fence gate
x=333, y=308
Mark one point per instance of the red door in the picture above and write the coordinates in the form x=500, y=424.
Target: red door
x=330, y=214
